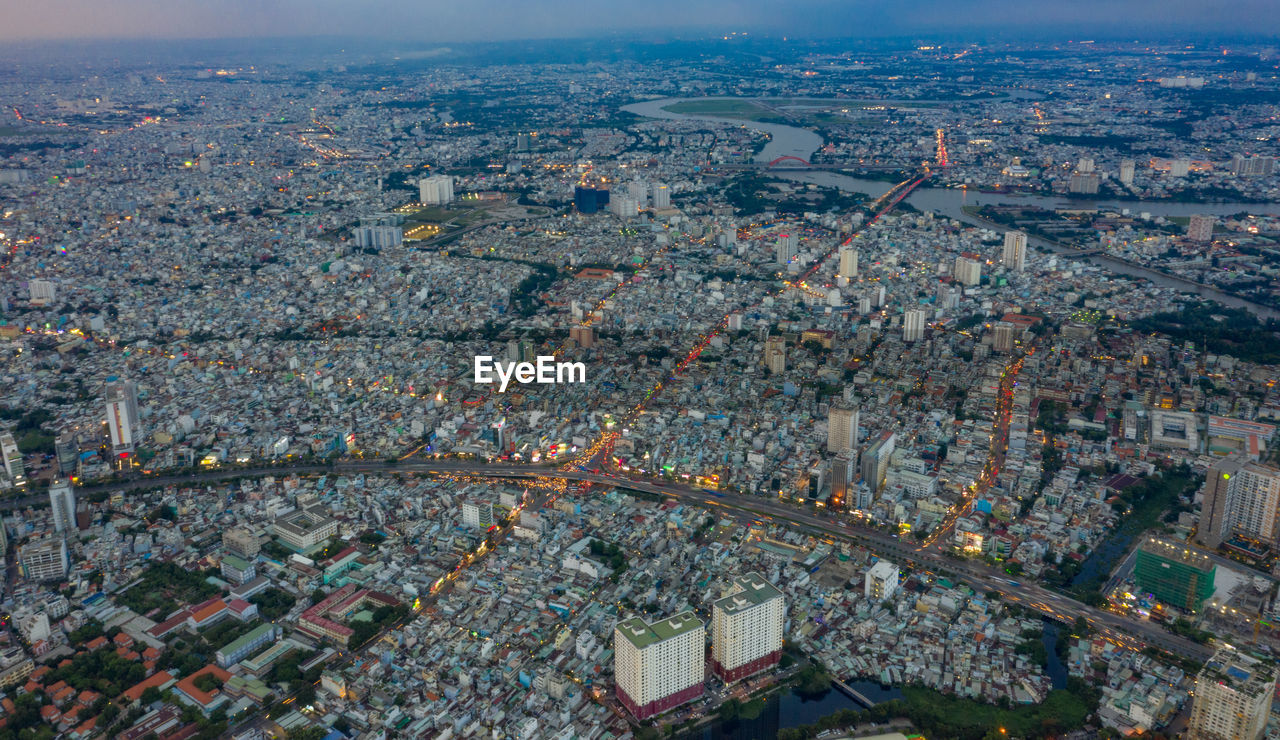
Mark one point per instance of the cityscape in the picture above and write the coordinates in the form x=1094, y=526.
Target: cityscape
x=761, y=377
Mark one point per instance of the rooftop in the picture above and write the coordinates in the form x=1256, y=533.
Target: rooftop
x=643, y=635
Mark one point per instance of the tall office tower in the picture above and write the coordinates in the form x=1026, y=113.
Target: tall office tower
x=1085, y=165
x=67, y=448
x=477, y=514
x=1233, y=698
x=62, y=501
x=1004, y=333
x=842, y=429
x=1214, y=524
x=522, y=142
x=661, y=196
x=913, y=325
x=775, y=354
x=881, y=581
x=1200, y=228
x=844, y=473
x=1015, y=250
x=589, y=200
x=1084, y=183
x=436, y=190
x=848, y=262
x=786, y=249
x=875, y=460
x=1126, y=172
x=122, y=417
x=1174, y=573
x=659, y=666
x=1179, y=167
x=43, y=292
x=967, y=271
x=13, y=466
x=746, y=629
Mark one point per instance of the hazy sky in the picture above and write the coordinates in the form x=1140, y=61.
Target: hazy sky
x=478, y=20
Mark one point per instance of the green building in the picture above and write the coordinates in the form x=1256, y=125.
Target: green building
x=1175, y=574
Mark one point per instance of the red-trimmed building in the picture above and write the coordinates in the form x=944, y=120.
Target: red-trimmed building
x=324, y=620
x=659, y=666
x=746, y=629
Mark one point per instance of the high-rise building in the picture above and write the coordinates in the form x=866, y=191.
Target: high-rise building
x=842, y=429
x=875, y=460
x=775, y=354
x=436, y=190
x=522, y=142
x=913, y=325
x=881, y=581
x=1126, y=172
x=1174, y=574
x=967, y=271
x=1215, y=522
x=848, y=262
x=1004, y=334
x=659, y=666
x=12, y=457
x=786, y=248
x=67, y=447
x=477, y=514
x=378, y=236
x=44, y=560
x=584, y=336
x=589, y=200
x=43, y=292
x=1240, y=498
x=1233, y=698
x=62, y=502
x=1200, y=228
x=1252, y=166
x=1085, y=165
x=746, y=629
x=1179, y=167
x=844, y=473
x=624, y=206
x=122, y=417
x=661, y=197
x=1084, y=183
x=242, y=542
x=1014, y=256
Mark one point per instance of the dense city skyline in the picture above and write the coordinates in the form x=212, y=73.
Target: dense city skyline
x=709, y=370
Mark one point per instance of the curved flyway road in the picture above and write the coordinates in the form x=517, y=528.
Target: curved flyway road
x=1119, y=629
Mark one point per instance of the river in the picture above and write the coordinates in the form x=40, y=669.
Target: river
x=792, y=141
x=793, y=710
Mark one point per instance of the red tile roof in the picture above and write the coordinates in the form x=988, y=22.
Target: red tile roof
x=134, y=692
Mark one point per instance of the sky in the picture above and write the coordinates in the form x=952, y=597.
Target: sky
x=435, y=21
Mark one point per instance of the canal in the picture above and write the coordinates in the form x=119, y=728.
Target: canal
x=789, y=709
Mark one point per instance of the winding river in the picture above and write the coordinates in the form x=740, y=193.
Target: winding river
x=792, y=141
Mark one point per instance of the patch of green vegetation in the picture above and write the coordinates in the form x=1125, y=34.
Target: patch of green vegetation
x=164, y=586
x=1220, y=330
x=946, y=717
x=726, y=108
